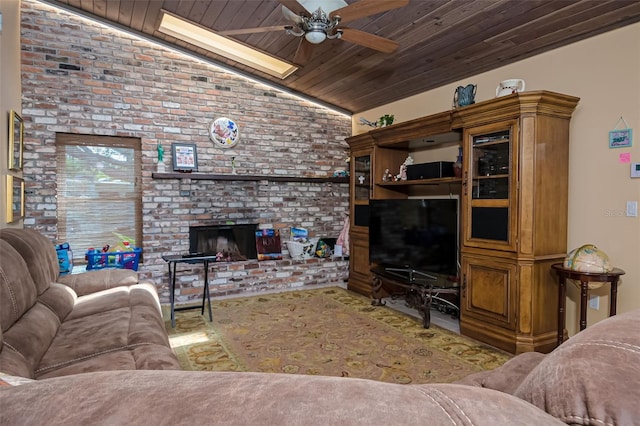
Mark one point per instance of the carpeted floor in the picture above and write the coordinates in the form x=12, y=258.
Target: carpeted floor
x=327, y=331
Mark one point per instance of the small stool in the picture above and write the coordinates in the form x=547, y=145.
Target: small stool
x=585, y=278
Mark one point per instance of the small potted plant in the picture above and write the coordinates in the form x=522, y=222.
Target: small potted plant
x=385, y=120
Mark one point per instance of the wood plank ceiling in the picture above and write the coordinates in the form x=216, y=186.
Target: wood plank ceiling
x=440, y=41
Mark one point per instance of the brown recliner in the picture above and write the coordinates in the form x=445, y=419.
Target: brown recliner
x=96, y=321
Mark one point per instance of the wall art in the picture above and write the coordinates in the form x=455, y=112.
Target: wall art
x=15, y=199
x=185, y=157
x=620, y=138
x=224, y=132
x=16, y=135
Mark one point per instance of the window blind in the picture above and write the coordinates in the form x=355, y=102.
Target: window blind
x=99, y=192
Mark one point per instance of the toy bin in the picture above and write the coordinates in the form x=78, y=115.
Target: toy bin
x=115, y=259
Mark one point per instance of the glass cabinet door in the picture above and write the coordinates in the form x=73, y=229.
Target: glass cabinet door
x=490, y=186
x=361, y=188
x=491, y=157
x=362, y=176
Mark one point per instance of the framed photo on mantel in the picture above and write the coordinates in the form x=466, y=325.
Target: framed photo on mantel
x=184, y=157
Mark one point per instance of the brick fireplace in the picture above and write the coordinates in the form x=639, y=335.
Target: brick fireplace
x=231, y=243
x=89, y=79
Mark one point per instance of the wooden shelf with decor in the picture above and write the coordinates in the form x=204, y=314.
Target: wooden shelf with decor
x=513, y=215
x=232, y=177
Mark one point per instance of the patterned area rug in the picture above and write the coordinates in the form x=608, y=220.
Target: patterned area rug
x=329, y=332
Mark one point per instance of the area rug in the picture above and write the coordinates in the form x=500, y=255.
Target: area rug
x=326, y=331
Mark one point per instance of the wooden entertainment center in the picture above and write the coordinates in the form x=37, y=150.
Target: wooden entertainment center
x=513, y=207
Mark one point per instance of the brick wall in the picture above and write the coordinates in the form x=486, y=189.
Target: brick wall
x=82, y=77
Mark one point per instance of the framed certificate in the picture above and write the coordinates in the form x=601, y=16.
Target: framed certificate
x=185, y=157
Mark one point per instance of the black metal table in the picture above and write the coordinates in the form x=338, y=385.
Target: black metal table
x=190, y=259
x=422, y=291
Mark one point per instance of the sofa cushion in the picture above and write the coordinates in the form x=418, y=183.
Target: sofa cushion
x=102, y=279
x=507, y=377
x=123, y=319
x=8, y=380
x=37, y=251
x=139, y=357
x=188, y=397
x=17, y=290
x=27, y=326
x=593, y=378
x=60, y=299
x=30, y=337
x=114, y=298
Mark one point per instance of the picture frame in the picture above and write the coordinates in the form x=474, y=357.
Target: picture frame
x=16, y=140
x=621, y=138
x=184, y=157
x=15, y=199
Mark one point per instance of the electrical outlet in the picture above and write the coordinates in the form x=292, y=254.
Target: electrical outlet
x=632, y=208
x=594, y=302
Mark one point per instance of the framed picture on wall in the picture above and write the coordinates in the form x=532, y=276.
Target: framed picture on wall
x=185, y=157
x=16, y=133
x=15, y=199
x=622, y=138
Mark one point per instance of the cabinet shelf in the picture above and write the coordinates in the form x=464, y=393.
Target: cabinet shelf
x=491, y=177
x=489, y=143
x=416, y=182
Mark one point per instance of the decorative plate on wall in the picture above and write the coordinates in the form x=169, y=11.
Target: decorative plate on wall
x=224, y=132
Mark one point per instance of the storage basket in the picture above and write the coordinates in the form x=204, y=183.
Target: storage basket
x=114, y=259
x=299, y=250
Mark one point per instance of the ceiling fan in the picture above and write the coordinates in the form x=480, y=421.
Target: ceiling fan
x=319, y=20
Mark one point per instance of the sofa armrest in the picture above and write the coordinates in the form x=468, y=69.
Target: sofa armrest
x=508, y=376
x=102, y=279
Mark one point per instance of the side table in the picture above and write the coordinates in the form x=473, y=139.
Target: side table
x=191, y=259
x=585, y=278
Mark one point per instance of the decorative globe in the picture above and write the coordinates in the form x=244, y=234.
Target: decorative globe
x=588, y=258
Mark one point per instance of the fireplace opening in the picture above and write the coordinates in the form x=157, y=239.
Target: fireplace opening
x=227, y=242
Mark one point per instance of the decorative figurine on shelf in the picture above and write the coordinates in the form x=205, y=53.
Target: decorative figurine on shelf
x=402, y=175
x=160, y=165
x=403, y=172
x=457, y=166
x=385, y=175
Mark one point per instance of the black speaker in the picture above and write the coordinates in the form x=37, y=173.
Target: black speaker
x=437, y=169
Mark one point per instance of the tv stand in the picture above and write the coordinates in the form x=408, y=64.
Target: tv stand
x=421, y=292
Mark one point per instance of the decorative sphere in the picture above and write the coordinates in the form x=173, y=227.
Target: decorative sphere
x=588, y=258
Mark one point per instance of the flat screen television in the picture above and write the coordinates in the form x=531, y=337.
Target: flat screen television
x=415, y=234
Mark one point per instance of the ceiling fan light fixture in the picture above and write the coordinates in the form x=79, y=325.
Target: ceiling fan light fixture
x=315, y=36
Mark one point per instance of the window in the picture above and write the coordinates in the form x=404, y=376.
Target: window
x=99, y=191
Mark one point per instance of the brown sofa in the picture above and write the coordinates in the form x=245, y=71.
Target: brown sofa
x=54, y=325
x=591, y=379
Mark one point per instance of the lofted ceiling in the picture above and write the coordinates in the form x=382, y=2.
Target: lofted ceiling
x=440, y=41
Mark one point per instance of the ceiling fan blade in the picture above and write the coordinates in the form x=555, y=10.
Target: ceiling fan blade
x=290, y=16
x=363, y=8
x=303, y=54
x=253, y=30
x=368, y=40
x=295, y=7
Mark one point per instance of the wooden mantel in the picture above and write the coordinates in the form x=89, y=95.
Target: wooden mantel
x=229, y=177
